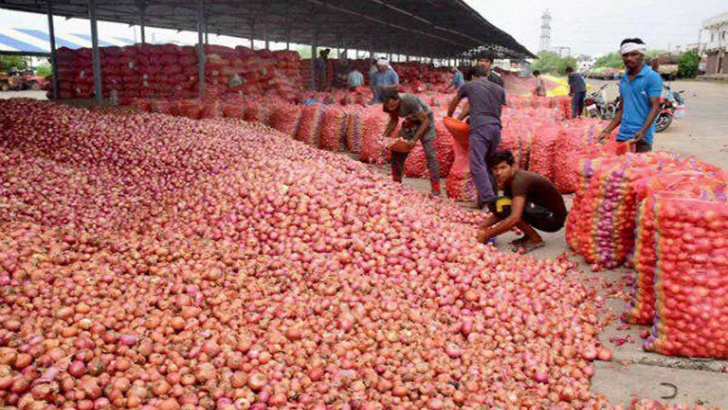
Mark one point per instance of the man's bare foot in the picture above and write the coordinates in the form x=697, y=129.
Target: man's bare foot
x=519, y=241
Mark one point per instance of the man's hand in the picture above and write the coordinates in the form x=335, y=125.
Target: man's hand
x=639, y=135
x=603, y=136
x=483, y=236
x=411, y=143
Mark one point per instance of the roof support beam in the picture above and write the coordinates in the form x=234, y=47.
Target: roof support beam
x=54, y=63
x=96, y=56
x=200, y=47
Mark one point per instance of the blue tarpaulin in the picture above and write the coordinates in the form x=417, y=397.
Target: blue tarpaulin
x=27, y=40
x=11, y=44
x=60, y=41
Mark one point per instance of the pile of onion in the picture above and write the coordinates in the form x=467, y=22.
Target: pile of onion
x=149, y=261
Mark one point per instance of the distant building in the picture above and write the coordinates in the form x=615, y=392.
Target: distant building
x=716, y=44
x=585, y=63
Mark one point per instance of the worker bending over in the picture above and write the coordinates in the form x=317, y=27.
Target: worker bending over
x=418, y=125
x=530, y=201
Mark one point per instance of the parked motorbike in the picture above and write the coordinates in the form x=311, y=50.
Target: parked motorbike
x=672, y=105
x=597, y=105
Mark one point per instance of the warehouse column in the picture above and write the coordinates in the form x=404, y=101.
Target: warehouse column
x=313, y=61
x=142, y=5
x=200, y=47
x=371, y=47
x=98, y=89
x=52, y=32
x=265, y=36
x=252, y=35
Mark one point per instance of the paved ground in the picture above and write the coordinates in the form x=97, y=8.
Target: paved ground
x=634, y=373
x=704, y=130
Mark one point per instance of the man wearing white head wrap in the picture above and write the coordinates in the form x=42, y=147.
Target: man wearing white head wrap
x=384, y=76
x=640, y=90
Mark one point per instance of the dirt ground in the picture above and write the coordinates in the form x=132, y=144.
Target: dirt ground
x=634, y=373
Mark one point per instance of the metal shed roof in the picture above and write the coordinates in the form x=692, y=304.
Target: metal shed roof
x=434, y=28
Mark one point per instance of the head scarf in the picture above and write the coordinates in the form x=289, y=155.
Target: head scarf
x=630, y=47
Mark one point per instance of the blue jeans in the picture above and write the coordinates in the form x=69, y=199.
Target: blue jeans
x=483, y=143
x=577, y=103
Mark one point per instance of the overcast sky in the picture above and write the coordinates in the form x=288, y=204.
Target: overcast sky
x=591, y=28
x=598, y=26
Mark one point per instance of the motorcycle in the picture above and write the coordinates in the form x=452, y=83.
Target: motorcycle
x=597, y=105
x=672, y=105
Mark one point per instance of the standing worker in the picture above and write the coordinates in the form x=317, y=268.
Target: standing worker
x=355, y=79
x=577, y=91
x=457, y=80
x=487, y=63
x=321, y=66
x=384, y=76
x=485, y=103
x=540, y=90
x=639, y=90
x=418, y=125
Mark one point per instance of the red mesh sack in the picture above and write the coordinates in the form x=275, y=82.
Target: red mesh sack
x=309, y=128
x=210, y=109
x=333, y=128
x=690, y=282
x=459, y=184
x=255, y=111
x=374, y=121
x=354, y=130
x=416, y=164
x=232, y=110
x=689, y=184
x=190, y=109
x=517, y=139
x=543, y=150
x=165, y=107
x=285, y=118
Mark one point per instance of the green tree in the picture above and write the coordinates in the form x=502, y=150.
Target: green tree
x=549, y=62
x=43, y=70
x=611, y=60
x=12, y=61
x=688, y=65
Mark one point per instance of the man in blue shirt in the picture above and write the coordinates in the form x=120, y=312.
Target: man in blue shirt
x=457, y=80
x=384, y=76
x=639, y=90
x=354, y=80
x=577, y=91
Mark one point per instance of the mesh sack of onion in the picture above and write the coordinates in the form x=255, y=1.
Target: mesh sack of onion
x=690, y=283
x=309, y=127
x=333, y=128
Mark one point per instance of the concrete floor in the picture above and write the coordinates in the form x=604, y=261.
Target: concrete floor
x=634, y=373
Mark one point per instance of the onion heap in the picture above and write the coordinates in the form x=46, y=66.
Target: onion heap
x=529, y=127
x=150, y=261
